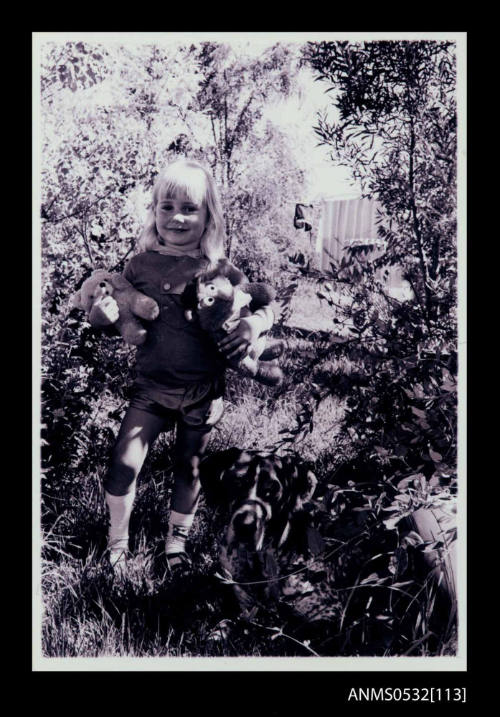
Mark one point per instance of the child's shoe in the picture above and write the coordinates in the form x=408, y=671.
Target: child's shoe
x=178, y=564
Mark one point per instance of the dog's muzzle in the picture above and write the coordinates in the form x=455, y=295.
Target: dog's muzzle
x=247, y=524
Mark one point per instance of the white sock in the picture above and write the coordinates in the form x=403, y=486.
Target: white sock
x=179, y=525
x=120, y=508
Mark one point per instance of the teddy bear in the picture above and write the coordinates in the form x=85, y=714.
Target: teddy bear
x=131, y=303
x=218, y=299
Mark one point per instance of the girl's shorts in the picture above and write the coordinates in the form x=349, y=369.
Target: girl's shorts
x=199, y=406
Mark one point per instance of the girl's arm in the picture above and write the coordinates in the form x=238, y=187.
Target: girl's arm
x=265, y=317
x=236, y=344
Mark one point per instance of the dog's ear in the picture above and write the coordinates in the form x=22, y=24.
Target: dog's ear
x=214, y=467
x=306, y=485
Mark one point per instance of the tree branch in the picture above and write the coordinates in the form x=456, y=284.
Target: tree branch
x=416, y=223
x=87, y=246
x=79, y=212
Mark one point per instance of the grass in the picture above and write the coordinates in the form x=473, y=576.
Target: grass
x=308, y=312
x=324, y=607
x=87, y=613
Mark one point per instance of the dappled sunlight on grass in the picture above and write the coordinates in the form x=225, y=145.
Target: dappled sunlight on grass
x=260, y=424
x=308, y=311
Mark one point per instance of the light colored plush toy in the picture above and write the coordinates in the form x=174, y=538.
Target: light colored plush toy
x=131, y=303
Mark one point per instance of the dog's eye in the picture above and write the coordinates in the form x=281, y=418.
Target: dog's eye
x=209, y=300
x=212, y=288
x=269, y=488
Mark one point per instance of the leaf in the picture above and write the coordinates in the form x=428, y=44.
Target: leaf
x=409, y=480
x=403, y=498
x=412, y=538
x=436, y=457
x=391, y=523
x=399, y=561
x=372, y=578
x=403, y=584
x=227, y=579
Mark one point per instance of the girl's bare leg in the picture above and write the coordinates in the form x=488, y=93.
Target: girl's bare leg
x=138, y=431
x=190, y=446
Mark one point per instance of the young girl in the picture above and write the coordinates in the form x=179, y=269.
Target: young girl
x=179, y=370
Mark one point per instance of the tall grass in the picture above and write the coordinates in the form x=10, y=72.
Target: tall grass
x=326, y=606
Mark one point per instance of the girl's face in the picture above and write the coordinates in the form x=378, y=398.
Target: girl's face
x=180, y=221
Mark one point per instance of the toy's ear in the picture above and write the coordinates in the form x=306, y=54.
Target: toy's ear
x=234, y=275
x=118, y=281
x=225, y=268
x=261, y=294
x=189, y=297
x=188, y=315
x=76, y=300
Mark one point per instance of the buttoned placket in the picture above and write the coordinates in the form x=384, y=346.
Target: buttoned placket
x=166, y=283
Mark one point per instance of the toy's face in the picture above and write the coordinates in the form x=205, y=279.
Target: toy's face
x=215, y=302
x=217, y=288
x=94, y=291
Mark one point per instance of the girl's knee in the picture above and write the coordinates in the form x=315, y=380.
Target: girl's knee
x=120, y=478
x=187, y=468
x=117, y=489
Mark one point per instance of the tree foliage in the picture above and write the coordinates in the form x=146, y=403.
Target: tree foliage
x=397, y=131
x=393, y=360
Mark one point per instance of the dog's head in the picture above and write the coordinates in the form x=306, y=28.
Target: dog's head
x=261, y=492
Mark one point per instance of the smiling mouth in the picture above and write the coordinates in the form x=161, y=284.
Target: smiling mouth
x=177, y=229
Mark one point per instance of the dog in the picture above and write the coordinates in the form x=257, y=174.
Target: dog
x=259, y=498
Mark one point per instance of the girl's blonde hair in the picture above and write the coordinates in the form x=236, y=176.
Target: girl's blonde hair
x=193, y=179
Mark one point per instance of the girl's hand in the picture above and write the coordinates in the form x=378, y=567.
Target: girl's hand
x=239, y=341
x=104, y=312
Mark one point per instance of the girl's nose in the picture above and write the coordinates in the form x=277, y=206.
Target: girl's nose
x=179, y=217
